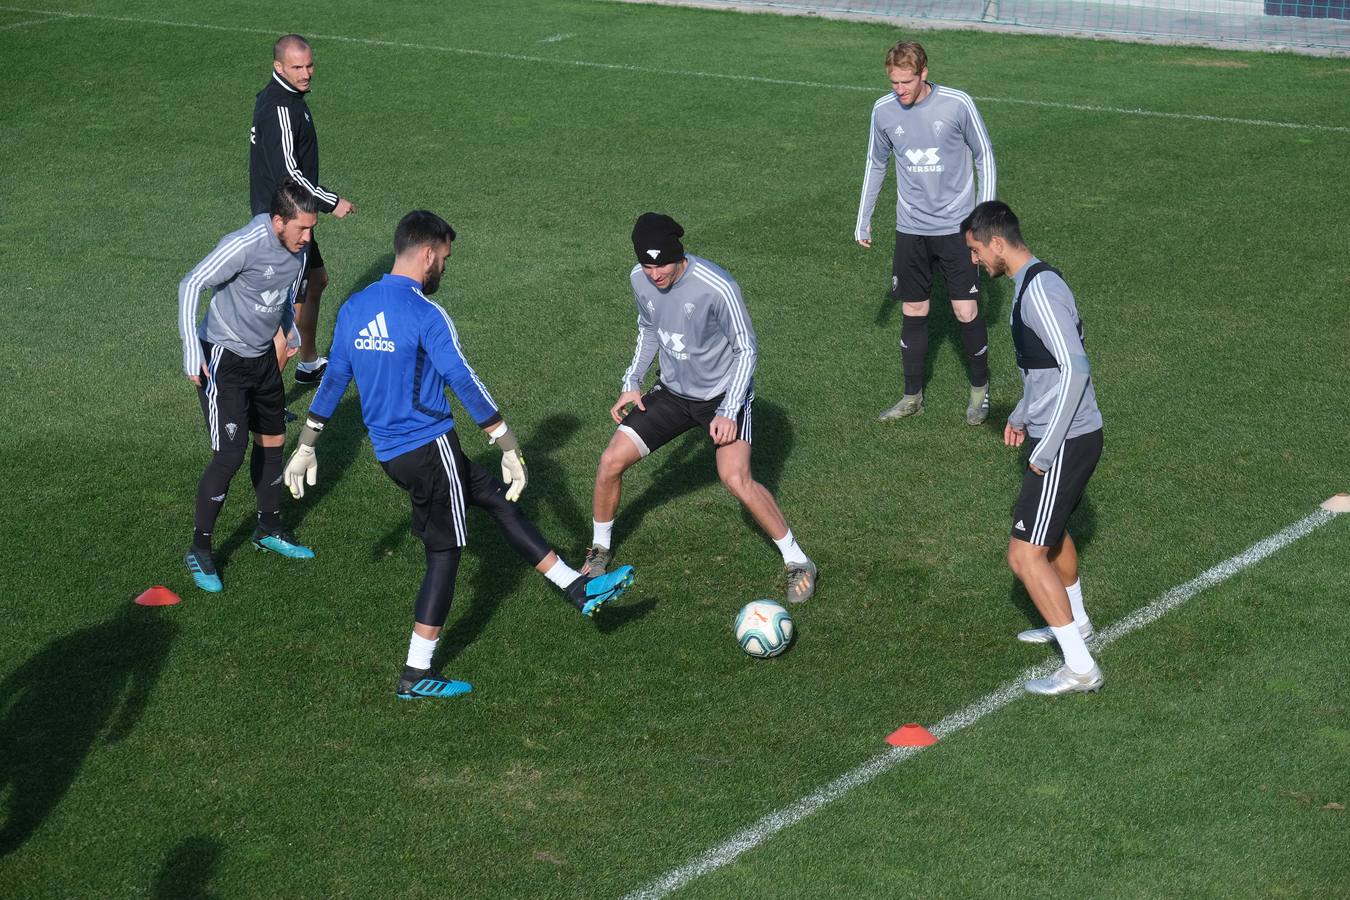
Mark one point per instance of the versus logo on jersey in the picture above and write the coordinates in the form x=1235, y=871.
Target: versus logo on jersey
x=924, y=160
x=673, y=341
x=374, y=336
x=270, y=299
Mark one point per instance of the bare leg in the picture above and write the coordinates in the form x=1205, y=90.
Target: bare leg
x=733, y=466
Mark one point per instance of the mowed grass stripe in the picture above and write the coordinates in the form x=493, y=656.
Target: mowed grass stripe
x=683, y=73
x=755, y=835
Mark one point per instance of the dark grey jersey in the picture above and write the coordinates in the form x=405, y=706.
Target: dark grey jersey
x=1057, y=403
x=938, y=143
x=701, y=329
x=253, y=279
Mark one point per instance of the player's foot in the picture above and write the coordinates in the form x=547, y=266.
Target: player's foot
x=203, y=569
x=311, y=373
x=280, y=542
x=1046, y=636
x=1066, y=681
x=415, y=684
x=597, y=561
x=909, y=405
x=801, y=581
x=589, y=594
x=978, y=408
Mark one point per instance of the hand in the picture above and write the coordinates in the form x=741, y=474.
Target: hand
x=618, y=411
x=513, y=473
x=344, y=206
x=1013, y=436
x=302, y=469
x=1035, y=469
x=865, y=243
x=722, y=430
x=199, y=379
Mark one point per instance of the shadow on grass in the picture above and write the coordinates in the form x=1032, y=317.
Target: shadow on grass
x=87, y=687
x=187, y=870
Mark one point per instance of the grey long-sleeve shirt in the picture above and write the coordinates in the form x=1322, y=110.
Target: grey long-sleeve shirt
x=702, y=331
x=937, y=144
x=1057, y=404
x=253, y=279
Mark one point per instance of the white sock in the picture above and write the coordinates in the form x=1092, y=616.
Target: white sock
x=602, y=533
x=1071, y=644
x=419, y=651
x=308, y=366
x=1080, y=616
x=561, y=574
x=792, y=553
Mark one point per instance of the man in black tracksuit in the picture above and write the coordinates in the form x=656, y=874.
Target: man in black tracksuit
x=285, y=145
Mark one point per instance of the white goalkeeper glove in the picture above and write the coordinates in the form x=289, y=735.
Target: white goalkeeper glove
x=302, y=469
x=513, y=461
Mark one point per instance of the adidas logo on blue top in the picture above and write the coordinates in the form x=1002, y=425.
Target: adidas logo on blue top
x=375, y=336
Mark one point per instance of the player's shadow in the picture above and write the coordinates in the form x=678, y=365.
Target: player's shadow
x=1082, y=527
x=187, y=871
x=88, y=687
x=548, y=483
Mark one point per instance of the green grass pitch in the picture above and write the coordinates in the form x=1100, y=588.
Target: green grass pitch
x=248, y=744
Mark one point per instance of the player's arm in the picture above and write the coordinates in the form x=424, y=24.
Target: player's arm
x=277, y=138
x=644, y=352
x=219, y=266
x=1054, y=324
x=874, y=173
x=982, y=152
x=303, y=467
x=734, y=320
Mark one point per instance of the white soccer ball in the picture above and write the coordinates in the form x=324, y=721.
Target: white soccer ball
x=763, y=628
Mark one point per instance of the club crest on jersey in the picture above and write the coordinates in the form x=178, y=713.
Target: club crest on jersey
x=689, y=310
x=374, y=336
x=937, y=126
x=230, y=429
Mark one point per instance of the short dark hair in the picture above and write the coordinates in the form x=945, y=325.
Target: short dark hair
x=286, y=42
x=993, y=217
x=421, y=227
x=289, y=200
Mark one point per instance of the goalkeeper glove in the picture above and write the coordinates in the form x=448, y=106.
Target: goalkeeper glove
x=513, y=461
x=302, y=469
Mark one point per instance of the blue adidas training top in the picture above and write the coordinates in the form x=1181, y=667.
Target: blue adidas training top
x=403, y=350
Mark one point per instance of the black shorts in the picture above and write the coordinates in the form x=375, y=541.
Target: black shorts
x=439, y=480
x=1046, y=502
x=913, y=265
x=240, y=395
x=313, y=260
x=668, y=415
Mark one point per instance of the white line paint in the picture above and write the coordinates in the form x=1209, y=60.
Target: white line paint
x=51, y=18
x=756, y=834
x=678, y=73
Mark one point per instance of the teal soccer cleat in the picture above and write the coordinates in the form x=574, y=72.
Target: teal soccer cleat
x=416, y=684
x=203, y=570
x=589, y=594
x=281, y=543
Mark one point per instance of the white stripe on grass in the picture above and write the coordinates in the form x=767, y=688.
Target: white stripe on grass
x=25, y=24
x=667, y=73
x=756, y=834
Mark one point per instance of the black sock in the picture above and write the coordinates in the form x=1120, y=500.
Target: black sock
x=975, y=338
x=211, y=491
x=913, y=351
x=265, y=467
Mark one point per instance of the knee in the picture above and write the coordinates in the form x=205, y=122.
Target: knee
x=228, y=461
x=1021, y=556
x=738, y=483
x=612, y=464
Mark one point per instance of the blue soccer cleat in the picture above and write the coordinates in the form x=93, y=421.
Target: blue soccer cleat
x=589, y=594
x=282, y=543
x=203, y=570
x=417, y=684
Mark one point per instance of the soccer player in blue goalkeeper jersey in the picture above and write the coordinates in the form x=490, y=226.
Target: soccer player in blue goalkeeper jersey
x=938, y=141
x=1058, y=421
x=403, y=351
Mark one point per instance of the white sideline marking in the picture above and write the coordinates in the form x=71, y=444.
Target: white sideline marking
x=756, y=834
x=51, y=18
x=684, y=73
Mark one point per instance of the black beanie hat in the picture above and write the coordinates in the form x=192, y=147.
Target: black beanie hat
x=656, y=239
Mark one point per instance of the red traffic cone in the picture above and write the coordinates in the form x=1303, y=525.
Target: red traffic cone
x=911, y=735
x=158, y=595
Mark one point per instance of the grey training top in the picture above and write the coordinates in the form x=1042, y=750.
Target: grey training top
x=253, y=279
x=702, y=330
x=1056, y=404
x=937, y=143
